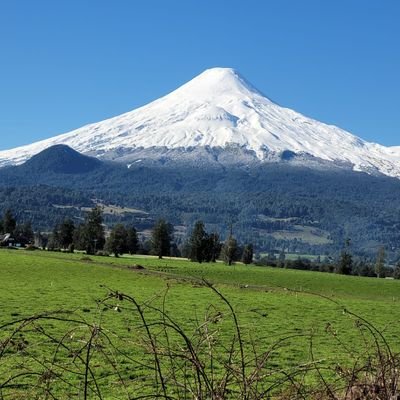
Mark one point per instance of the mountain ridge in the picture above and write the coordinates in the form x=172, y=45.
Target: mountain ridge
x=219, y=109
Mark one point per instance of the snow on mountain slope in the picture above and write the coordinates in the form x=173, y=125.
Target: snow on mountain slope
x=216, y=109
x=394, y=150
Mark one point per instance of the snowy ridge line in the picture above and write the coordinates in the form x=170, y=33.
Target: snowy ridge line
x=219, y=108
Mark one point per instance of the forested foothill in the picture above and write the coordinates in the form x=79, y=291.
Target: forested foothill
x=276, y=207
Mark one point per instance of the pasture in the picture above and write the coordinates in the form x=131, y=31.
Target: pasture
x=298, y=318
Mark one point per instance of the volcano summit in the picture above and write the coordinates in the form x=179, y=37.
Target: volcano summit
x=218, y=111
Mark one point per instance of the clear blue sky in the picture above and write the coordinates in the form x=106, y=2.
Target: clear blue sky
x=65, y=63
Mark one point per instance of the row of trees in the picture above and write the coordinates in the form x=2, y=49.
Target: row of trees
x=360, y=267
x=200, y=247
x=207, y=247
x=345, y=264
x=90, y=237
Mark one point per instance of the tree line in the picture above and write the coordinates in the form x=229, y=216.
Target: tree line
x=90, y=236
x=207, y=247
x=345, y=264
x=201, y=246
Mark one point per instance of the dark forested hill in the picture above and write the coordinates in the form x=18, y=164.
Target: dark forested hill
x=274, y=206
x=60, y=159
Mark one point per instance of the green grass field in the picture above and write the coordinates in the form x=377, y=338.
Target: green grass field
x=271, y=304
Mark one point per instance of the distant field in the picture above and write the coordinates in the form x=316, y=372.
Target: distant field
x=296, y=256
x=107, y=209
x=306, y=234
x=271, y=304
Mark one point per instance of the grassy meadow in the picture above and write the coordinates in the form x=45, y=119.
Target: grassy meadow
x=298, y=317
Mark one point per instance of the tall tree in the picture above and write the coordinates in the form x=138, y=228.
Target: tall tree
x=93, y=231
x=213, y=247
x=132, y=240
x=198, y=242
x=9, y=222
x=229, y=250
x=118, y=240
x=247, y=255
x=380, y=263
x=66, y=233
x=345, y=264
x=161, y=237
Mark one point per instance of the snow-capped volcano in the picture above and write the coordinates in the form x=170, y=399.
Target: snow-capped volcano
x=219, y=109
